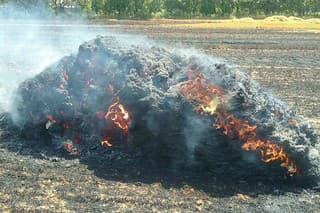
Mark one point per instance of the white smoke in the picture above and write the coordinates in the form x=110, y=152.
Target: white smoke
x=31, y=40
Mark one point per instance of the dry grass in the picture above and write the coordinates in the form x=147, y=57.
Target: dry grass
x=274, y=22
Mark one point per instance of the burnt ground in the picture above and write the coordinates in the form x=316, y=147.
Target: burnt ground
x=35, y=177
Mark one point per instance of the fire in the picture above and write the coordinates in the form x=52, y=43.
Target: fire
x=71, y=147
x=106, y=143
x=119, y=115
x=240, y=129
x=204, y=94
x=210, y=99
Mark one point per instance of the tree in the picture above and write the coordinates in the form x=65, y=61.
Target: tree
x=85, y=5
x=97, y=6
x=60, y=5
x=175, y=8
x=24, y=8
x=117, y=8
x=207, y=7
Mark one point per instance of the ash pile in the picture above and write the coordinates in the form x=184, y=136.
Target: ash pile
x=177, y=108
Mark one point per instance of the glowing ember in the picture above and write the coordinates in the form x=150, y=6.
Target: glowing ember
x=106, y=143
x=202, y=93
x=240, y=129
x=70, y=147
x=209, y=99
x=119, y=115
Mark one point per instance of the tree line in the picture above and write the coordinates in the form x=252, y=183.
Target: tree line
x=177, y=8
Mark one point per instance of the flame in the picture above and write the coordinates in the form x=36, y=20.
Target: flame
x=68, y=146
x=119, y=115
x=106, y=143
x=72, y=148
x=240, y=129
x=204, y=94
x=209, y=99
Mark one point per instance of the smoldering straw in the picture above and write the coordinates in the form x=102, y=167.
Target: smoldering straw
x=146, y=78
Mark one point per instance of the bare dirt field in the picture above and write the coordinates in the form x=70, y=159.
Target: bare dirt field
x=285, y=61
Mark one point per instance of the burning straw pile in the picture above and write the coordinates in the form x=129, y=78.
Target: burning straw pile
x=176, y=107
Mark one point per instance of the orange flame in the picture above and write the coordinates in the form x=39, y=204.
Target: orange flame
x=240, y=129
x=106, y=143
x=204, y=94
x=119, y=115
x=71, y=148
x=209, y=99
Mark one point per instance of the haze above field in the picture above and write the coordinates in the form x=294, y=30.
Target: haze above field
x=159, y=8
